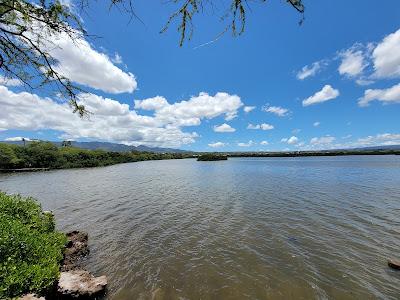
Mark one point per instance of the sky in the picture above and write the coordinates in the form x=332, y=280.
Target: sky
x=333, y=82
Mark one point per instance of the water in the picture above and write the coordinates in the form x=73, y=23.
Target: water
x=246, y=228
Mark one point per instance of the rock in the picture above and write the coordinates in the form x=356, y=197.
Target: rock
x=76, y=248
x=80, y=284
x=394, y=264
x=31, y=297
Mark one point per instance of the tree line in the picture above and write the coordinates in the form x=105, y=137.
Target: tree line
x=47, y=155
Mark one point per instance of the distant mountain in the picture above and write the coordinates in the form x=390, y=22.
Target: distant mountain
x=110, y=147
x=389, y=147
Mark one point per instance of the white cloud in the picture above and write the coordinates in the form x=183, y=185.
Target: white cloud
x=263, y=126
x=310, y=70
x=81, y=63
x=117, y=59
x=353, y=62
x=264, y=143
x=248, y=109
x=327, y=93
x=251, y=126
x=321, y=141
x=328, y=142
x=216, y=145
x=17, y=139
x=379, y=139
x=224, y=128
x=364, y=81
x=155, y=103
x=111, y=120
x=277, y=110
x=316, y=124
x=191, y=112
x=387, y=96
x=248, y=144
x=386, y=57
x=291, y=141
x=9, y=81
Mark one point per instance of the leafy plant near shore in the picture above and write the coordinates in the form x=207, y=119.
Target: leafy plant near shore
x=30, y=249
x=48, y=155
x=211, y=156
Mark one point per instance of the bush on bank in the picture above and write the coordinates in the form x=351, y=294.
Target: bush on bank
x=30, y=249
x=48, y=155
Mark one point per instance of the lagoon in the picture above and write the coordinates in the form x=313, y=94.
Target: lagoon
x=246, y=228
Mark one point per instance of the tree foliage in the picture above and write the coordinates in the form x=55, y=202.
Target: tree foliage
x=48, y=155
x=28, y=28
x=30, y=249
x=26, y=32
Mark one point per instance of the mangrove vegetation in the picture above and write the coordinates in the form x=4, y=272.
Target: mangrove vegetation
x=31, y=250
x=48, y=155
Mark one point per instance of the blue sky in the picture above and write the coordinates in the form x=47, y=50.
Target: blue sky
x=342, y=50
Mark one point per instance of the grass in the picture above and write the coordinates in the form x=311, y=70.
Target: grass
x=30, y=248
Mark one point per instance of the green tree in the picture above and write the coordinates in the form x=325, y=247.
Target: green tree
x=27, y=28
x=8, y=157
x=43, y=155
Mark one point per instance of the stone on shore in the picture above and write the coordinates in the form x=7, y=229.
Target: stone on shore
x=31, y=297
x=76, y=248
x=394, y=264
x=80, y=284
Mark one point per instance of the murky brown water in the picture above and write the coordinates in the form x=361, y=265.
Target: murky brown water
x=278, y=228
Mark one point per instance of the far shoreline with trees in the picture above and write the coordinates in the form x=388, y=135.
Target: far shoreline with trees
x=44, y=155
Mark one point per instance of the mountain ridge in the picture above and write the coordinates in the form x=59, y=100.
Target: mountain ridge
x=107, y=146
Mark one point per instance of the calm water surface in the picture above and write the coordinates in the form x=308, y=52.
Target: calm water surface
x=276, y=228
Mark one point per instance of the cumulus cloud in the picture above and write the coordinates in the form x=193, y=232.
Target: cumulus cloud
x=277, y=110
x=364, y=81
x=264, y=143
x=111, y=120
x=117, y=59
x=386, y=57
x=9, y=81
x=327, y=93
x=248, y=144
x=328, y=142
x=387, y=96
x=310, y=70
x=379, y=139
x=217, y=145
x=321, y=141
x=155, y=103
x=248, y=109
x=263, y=126
x=191, y=112
x=224, y=128
x=316, y=124
x=353, y=62
x=81, y=63
x=291, y=141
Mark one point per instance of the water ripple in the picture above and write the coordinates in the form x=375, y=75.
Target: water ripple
x=281, y=228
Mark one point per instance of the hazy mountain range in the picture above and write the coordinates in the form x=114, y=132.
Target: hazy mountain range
x=109, y=147
x=125, y=148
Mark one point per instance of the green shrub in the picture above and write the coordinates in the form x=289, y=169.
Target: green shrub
x=30, y=249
